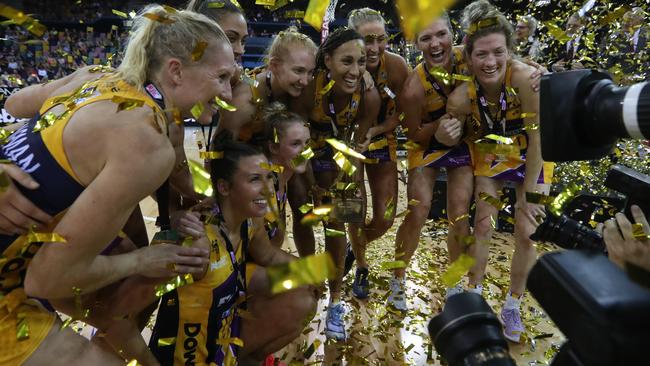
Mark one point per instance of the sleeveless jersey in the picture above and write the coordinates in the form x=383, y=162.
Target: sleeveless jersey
x=37, y=148
x=494, y=159
x=199, y=324
x=436, y=154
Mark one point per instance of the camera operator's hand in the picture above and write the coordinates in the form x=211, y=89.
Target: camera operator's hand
x=558, y=66
x=449, y=130
x=622, y=245
x=17, y=213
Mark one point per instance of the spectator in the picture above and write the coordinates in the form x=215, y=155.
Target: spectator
x=528, y=46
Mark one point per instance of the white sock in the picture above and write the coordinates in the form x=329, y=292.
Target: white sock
x=512, y=302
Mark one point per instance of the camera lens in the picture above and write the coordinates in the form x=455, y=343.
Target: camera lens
x=467, y=332
x=568, y=234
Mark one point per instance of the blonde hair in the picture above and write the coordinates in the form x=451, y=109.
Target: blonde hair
x=216, y=10
x=284, y=41
x=162, y=32
x=359, y=17
x=480, y=19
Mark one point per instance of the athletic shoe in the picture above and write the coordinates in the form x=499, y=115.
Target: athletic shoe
x=451, y=291
x=334, y=323
x=512, y=326
x=397, y=297
x=349, y=259
x=360, y=286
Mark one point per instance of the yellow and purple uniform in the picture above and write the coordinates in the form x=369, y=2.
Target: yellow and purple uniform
x=498, y=160
x=200, y=323
x=253, y=132
x=325, y=123
x=436, y=154
x=273, y=224
x=42, y=154
x=384, y=147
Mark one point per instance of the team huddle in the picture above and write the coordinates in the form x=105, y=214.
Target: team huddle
x=306, y=129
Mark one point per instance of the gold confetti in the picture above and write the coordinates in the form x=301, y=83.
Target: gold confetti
x=417, y=15
x=160, y=18
x=563, y=198
x=345, y=149
x=304, y=156
x=265, y=2
x=410, y=145
x=197, y=52
x=272, y=167
x=275, y=136
x=311, y=219
x=163, y=342
x=390, y=208
x=125, y=104
x=38, y=237
x=528, y=115
x=19, y=18
x=413, y=202
x=380, y=144
x=492, y=200
x=315, y=13
x=200, y=179
x=174, y=283
x=306, y=208
x=216, y=4
x=323, y=210
x=133, y=362
x=344, y=163
x=224, y=105
x=639, y=233
x=211, y=155
x=120, y=13
x=393, y=265
x=310, y=270
x=326, y=89
x=557, y=32
x=538, y=198
x=457, y=270
x=169, y=9
x=334, y=233
x=532, y=126
x=197, y=110
x=502, y=139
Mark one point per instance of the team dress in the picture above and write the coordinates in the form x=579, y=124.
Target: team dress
x=200, y=323
x=495, y=159
x=436, y=154
x=325, y=122
x=384, y=147
x=39, y=151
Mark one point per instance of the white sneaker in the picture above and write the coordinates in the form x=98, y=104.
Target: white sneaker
x=451, y=291
x=397, y=297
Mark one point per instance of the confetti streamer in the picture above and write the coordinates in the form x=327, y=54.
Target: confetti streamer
x=380, y=144
x=224, y=105
x=200, y=178
x=323, y=210
x=163, y=342
x=306, y=208
x=120, y=13
x=390, y=208
x=315, y=13
x=491, y=200
x=344, y=163
x=334, y=233
x=326, y=89
x=272, y=167
x=197, y=110
x=216, y=4
x=133, y=362
x=538, y=198
x=639, y=233
x=557, y=32
x=310, y=270
x=564, y=198
x=457, y=270
x=211, y=155
x=501, y=139
x=199, y=49
x=18, y=17
x=174, y=283
x=415, y=15
x=345, y=149
x=388, y=266
x=265, y=2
